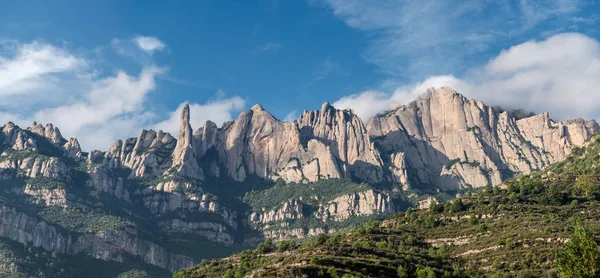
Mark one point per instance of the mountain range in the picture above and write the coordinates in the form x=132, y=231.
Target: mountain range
x=158, y=203
x=542, y=224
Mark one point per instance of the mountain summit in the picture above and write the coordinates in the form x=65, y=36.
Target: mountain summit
x=156, y=197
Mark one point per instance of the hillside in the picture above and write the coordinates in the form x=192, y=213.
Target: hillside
x=512, y=230
x=158, y=203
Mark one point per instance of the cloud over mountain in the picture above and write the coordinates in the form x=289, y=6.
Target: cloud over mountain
x=557, y=74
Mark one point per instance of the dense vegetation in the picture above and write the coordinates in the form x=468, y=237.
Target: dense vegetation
x=81, y=221
x=369, y=251
x=312, y=193
x=519, y=229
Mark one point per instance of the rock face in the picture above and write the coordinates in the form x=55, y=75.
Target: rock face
x=321, y=144
x=184, y=192
x=449, y=141
x=358, y=204
x=345, y=134
x=275, y=222
x=185, y=162
x=103, y=245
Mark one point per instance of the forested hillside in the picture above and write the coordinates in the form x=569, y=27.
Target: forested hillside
x=517, y=229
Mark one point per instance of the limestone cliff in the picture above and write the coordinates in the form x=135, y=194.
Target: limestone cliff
x=321, y=144
x=282, y=221
x=449, y=141
x=171, y=201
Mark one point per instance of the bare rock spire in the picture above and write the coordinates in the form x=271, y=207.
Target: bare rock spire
x=184, y=158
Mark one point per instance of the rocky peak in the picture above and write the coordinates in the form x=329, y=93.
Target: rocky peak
x=24, y=142
x=326, y=107
x=72, y=148
x=184, y=158
x=205, y=138
x=345, y=134
x=184, y=138
x=116, y=147
x=257, y=107
x=441, y=92
x=50, y=132
x=9, y=131
x=451, y=141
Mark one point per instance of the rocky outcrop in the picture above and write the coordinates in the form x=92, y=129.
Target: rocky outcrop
x=557, y=139
x=45, y=196
x=321, y=144
x=213, y=231
x=450, y=141
x=283, y=231
x=290, y=210
x=344, y=133
x=183, y=187
x=49, y=132
x=102, y=179
x=158, y=203
x=107, y=245
x=358, y=204
x=34, y=166
x=185, y=162
x=275, y=222
x=147, y=155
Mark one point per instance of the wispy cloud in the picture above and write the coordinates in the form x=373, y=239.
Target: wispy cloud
x=46, y=83
x=51, y=84
x=324, y=69
x=558, y=75
x=270, y=46
x=290, y=117
x=139, y=48
x=149, y=44
x=415, y=39
x=34, y=66
x=218, y=110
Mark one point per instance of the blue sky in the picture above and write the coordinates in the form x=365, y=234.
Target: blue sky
x=101, y=70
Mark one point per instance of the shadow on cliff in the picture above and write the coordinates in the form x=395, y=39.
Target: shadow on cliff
x=231, y=193
x=307, y=133
x=424, y=163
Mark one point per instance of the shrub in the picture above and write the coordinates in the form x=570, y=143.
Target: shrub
x=580, y=256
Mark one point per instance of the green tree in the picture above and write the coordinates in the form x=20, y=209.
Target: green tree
x=426, y=272
x=286, y=245
x=332, y=272
x=179, y=274
x=321, y=238
x=229, y=274
x=433, y=207
x=265, y=247
x=402, y=272
x=580, y=256
x=586, y=183
x=457, y=206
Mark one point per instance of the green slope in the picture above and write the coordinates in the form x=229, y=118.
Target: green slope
x=514, y=230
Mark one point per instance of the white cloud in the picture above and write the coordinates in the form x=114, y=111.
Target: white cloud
x=49, y=84
x=34, y=66
x=558, y=75
x=365, y=104
x=62, y=88
x=270, y=46
x=112, y=108
x=149, y=44
x=415, y=39
x=99, y=110
x=218, y=111
x=290, y=117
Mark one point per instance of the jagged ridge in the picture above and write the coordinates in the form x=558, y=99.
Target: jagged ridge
x=181, y=186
